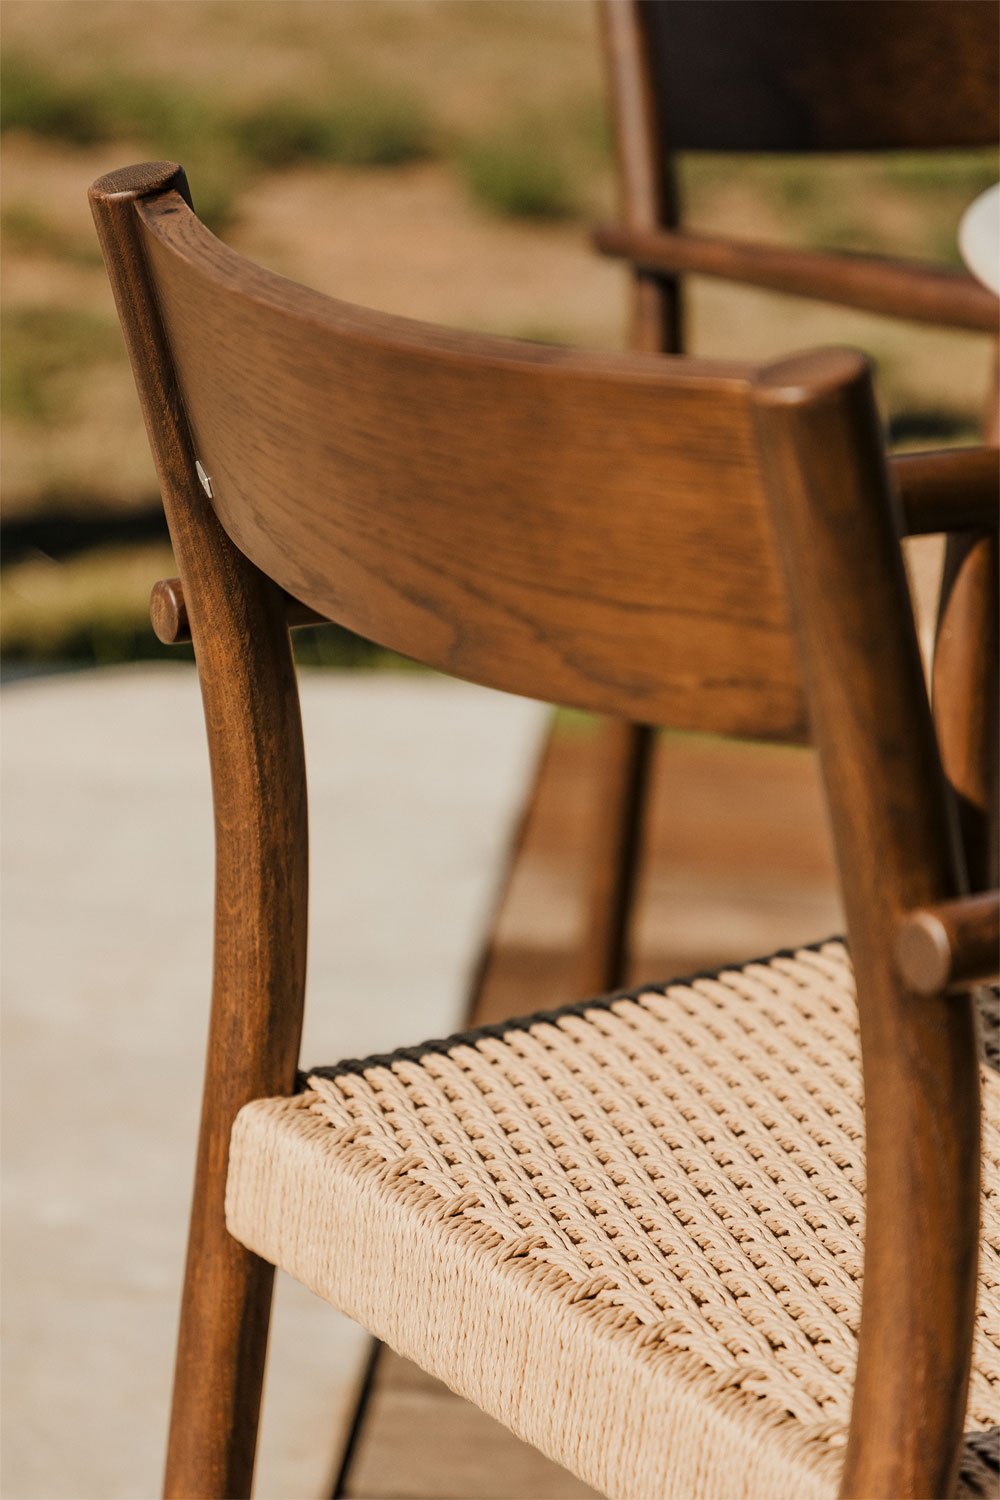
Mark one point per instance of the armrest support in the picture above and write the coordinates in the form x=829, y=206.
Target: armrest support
x=951, y=945
x=895, y=288
x=954, y=489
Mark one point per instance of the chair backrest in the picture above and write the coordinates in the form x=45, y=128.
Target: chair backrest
x=598, y=531
x=825, y=75
x=818, y=76
x=792, y=75
x=587, y=530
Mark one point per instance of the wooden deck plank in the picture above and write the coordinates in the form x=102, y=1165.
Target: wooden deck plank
x=422, y=1442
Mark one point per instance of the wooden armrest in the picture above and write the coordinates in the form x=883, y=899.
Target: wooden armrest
x=950, y=946
x=954, y=489
x=169, y=616
x=896, y=288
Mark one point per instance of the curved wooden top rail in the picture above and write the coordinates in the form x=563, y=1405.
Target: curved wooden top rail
x=830, y=75
x=541, y=520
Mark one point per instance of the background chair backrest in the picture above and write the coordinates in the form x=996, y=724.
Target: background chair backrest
x=814, y=76
x=824, y=75
x=583, y=529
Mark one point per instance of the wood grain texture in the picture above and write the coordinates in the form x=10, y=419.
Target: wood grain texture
x=237, y=619
x=825, y=76
x=593, y=530
x=920, y=292
x=896, y=850
x=168, y=613
x=830, y=75
x=647, y=191
x=835, y=76
x=578, y=572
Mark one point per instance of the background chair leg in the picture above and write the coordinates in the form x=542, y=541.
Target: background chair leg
x=259, y=791
x=965, y=696
x=238, y=624
x=621, y=781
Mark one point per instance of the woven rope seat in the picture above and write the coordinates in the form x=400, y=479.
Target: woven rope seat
x=630, y=1229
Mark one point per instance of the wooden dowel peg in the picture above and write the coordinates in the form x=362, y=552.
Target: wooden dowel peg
x=169, y=616
x=951, y=945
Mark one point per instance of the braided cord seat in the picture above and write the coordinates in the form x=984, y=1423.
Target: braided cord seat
x=629, y=1229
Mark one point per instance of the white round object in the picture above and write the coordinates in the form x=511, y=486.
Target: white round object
x=979, y=238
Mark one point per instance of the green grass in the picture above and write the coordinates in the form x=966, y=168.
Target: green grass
x=25, y=228
x=528, y=168
x=851, y=202
x=93, y=609
x=514, y=174
x=550, y=162
x=964, y=174
x=370, y=128
x=222, y=147
x=101, y=107
x=31, y=99
x=44, y=353
x=172, y=123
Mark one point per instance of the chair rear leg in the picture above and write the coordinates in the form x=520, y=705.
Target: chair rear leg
x=219, y=1373
x=238, y=626
x=258, y=778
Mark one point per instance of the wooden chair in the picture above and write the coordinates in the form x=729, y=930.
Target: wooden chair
x=819, y=77
x=631, y=1228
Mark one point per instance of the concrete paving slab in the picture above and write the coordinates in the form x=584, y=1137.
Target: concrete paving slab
x=416, y=785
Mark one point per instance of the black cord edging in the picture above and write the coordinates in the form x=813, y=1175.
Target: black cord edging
x=499, y=1029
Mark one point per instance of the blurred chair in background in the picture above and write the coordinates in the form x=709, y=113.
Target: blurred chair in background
x=820, y=77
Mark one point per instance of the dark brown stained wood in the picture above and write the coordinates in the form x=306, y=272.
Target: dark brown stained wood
x=783, y=76
x=923, y=293
x=648, y=196
x=896, y=850
x=951, y=945
x=577, y=528
x=826, y=75
x=966, y=679
x=647, y=184
x=956, y=489
x=237, y=618
x=578, y=575
x=966, y=682
x=614, y=854
x=169, y=617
